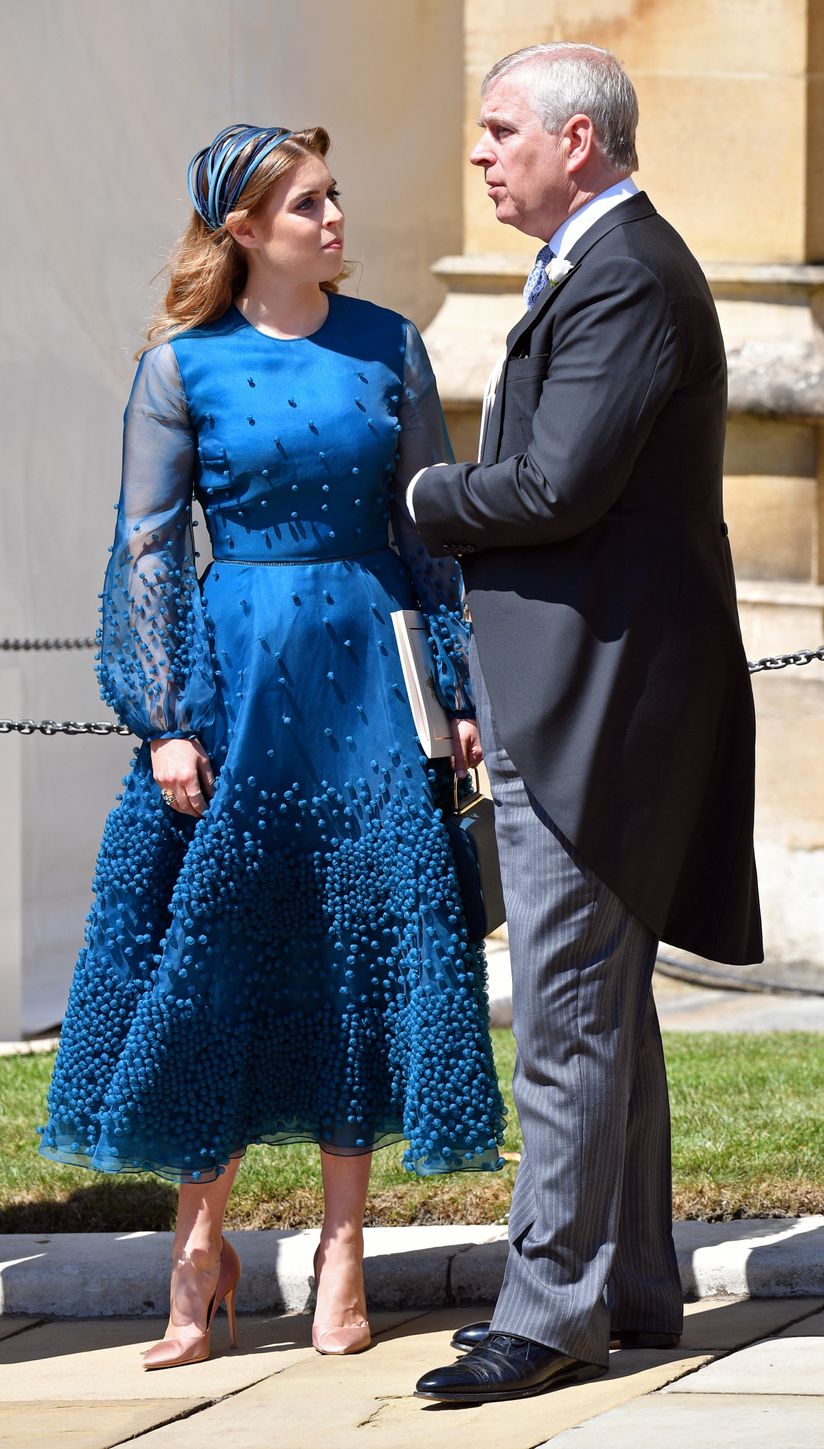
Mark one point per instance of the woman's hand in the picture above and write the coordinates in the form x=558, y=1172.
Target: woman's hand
x=466, y=746
x=184, y=774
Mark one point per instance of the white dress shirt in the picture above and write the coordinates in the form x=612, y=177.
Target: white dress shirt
x=570, y=231
x=562, y=241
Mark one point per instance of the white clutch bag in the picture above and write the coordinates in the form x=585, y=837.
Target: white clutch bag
x=430, y=718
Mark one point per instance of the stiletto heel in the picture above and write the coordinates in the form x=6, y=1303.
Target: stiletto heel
x=348, y=1338
x=230, y=1312
x=173, y=1352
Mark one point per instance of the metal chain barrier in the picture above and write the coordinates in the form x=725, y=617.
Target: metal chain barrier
x=62, y=727
x=53, y=726
x=780, y=661
x=23, y=645
x=109, y=727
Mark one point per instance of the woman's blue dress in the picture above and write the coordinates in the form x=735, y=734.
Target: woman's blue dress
x=294, y=965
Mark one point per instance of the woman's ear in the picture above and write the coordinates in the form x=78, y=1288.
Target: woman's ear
x=243, y=229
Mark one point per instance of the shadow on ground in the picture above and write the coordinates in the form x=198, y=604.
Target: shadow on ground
x=102, y=1207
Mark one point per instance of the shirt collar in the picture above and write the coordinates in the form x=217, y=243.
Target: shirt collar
x=570, y=231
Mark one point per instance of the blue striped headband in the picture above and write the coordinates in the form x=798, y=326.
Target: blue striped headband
x=217, y=177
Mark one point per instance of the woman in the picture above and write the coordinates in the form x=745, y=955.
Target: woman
x=277, y=949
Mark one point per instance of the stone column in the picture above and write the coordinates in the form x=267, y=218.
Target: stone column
x=731, y=144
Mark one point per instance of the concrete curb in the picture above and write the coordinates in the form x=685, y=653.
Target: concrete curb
x=91, y=1275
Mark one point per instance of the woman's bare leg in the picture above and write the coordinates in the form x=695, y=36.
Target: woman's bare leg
x=196, y=1251
x=340, y=1294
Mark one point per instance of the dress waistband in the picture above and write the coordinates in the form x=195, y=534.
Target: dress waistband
x=273, y=563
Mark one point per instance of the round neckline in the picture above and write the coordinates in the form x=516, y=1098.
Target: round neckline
x=307, y=337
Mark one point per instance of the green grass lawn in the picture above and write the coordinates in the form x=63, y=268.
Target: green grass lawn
x=748, y=1139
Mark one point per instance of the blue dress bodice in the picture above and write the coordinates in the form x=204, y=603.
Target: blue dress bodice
x=283, y=472
x=297, y=450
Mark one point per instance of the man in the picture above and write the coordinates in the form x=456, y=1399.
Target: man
x=614, y=706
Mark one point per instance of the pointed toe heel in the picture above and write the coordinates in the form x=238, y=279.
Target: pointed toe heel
x=351, y=1338
x=354, y=1338
x=175, y=1352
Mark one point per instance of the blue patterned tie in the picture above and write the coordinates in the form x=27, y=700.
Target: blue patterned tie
x=537, y=279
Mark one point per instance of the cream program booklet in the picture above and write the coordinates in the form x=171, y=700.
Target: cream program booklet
x=431, y=719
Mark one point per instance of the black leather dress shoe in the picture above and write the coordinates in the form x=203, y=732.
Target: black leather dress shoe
x=470, y=1335
x=474, y=1333
x=504, y=1367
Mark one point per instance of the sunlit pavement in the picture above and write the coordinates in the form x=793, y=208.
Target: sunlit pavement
x=748, y=1372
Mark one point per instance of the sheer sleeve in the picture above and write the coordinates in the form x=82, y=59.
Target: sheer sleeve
x=423, y=441
x=154, y=662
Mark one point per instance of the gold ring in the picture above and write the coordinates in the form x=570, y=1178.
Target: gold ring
x=168, y=797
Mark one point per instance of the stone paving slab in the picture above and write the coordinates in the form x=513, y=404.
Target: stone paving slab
x=11, y=1325
x=84, y=1426
x=787, y=1365
x=81, y=1383
x=367, y=1400
x=812, y=1327
x=101, y=1358
x=711, y=1421
x=720, y=1325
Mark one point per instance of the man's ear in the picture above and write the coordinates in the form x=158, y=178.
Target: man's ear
x=243, y=229
x=578, y=141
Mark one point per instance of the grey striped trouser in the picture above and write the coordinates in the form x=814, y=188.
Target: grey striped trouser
x=590, y=1228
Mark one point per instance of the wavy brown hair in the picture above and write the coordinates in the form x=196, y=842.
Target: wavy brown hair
x=207, y=268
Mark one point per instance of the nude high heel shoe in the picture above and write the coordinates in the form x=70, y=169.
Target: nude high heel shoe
x=173, y=1352
x=348, y=1338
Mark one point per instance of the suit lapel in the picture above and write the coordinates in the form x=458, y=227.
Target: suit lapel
x=633, y=209
x=543, y=305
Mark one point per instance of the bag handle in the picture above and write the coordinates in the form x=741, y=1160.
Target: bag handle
x=461, y=805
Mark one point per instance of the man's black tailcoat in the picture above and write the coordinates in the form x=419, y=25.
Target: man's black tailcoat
x=600, y=582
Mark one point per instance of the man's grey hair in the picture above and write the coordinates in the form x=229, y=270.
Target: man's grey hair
x=563, y=78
